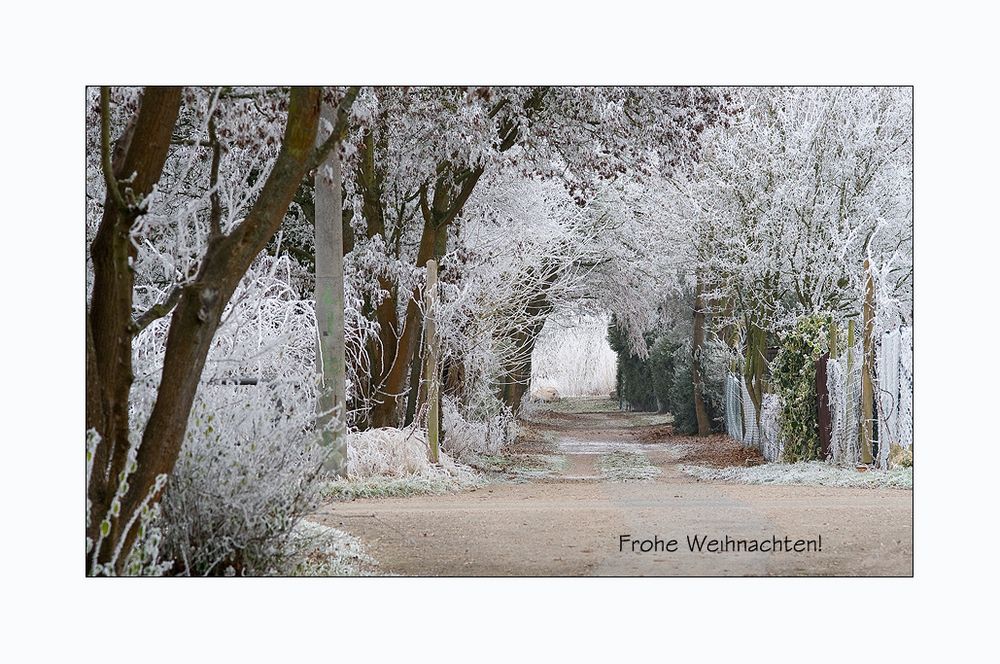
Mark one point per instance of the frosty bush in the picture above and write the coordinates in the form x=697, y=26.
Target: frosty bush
x=386, y=452
x=248, y=469
x=463, y=436
x=394, y=462
x=245, y=478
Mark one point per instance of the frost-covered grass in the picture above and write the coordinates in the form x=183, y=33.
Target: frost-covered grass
x=813, y=473
x=576, y=405
x=487, y=435
x=384, y=463
x=395, y=487
x=520, y=466
x=325, y=551
x=625, y=466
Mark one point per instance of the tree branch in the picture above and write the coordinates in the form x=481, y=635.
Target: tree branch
x=215, y=215
x=109, y=176
x=157, y=311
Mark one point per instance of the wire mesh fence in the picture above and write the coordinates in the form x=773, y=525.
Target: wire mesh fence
x=844, y=385
x=894, y=396
x=742, y=422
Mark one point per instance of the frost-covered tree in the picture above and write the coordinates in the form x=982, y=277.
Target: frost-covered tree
x=419, y=154
x=789, y=199
x=194, y=189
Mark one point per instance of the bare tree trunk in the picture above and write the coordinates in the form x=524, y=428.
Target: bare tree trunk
x=518, y=372
x=332, y=403
x=414, y=393
x=697, y=346
x=446, y=203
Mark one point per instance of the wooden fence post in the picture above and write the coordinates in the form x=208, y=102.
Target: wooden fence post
x=432, y=378
x=868, y=361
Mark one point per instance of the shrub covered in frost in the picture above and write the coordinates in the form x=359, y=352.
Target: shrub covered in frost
x=394, y=462
x=463, y=436
x=245, y=477
x=248, y=470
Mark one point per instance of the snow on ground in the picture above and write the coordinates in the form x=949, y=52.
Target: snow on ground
x=814, y=473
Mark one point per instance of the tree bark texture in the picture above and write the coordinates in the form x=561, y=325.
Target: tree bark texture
x=140, y=155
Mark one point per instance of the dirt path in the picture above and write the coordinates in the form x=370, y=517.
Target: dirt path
x=570, y=522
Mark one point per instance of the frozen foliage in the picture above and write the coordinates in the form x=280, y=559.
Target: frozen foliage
x=245, y=478
x=573, y=356
x=797, y=191
x=464, y=438
x=247, y=471
x=388, y=452
x=813, y=473
x=521, y=255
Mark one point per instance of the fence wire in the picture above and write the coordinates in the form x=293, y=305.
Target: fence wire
x=894, y=395
x=843, y=382
x=741, y=419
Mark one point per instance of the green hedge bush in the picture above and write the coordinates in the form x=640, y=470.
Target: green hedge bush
x=793, y=376
x=662, y=382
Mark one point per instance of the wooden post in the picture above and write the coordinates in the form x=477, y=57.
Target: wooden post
x=868, y=361
x=432, y=379
x=330, y=305
x=833, y=339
